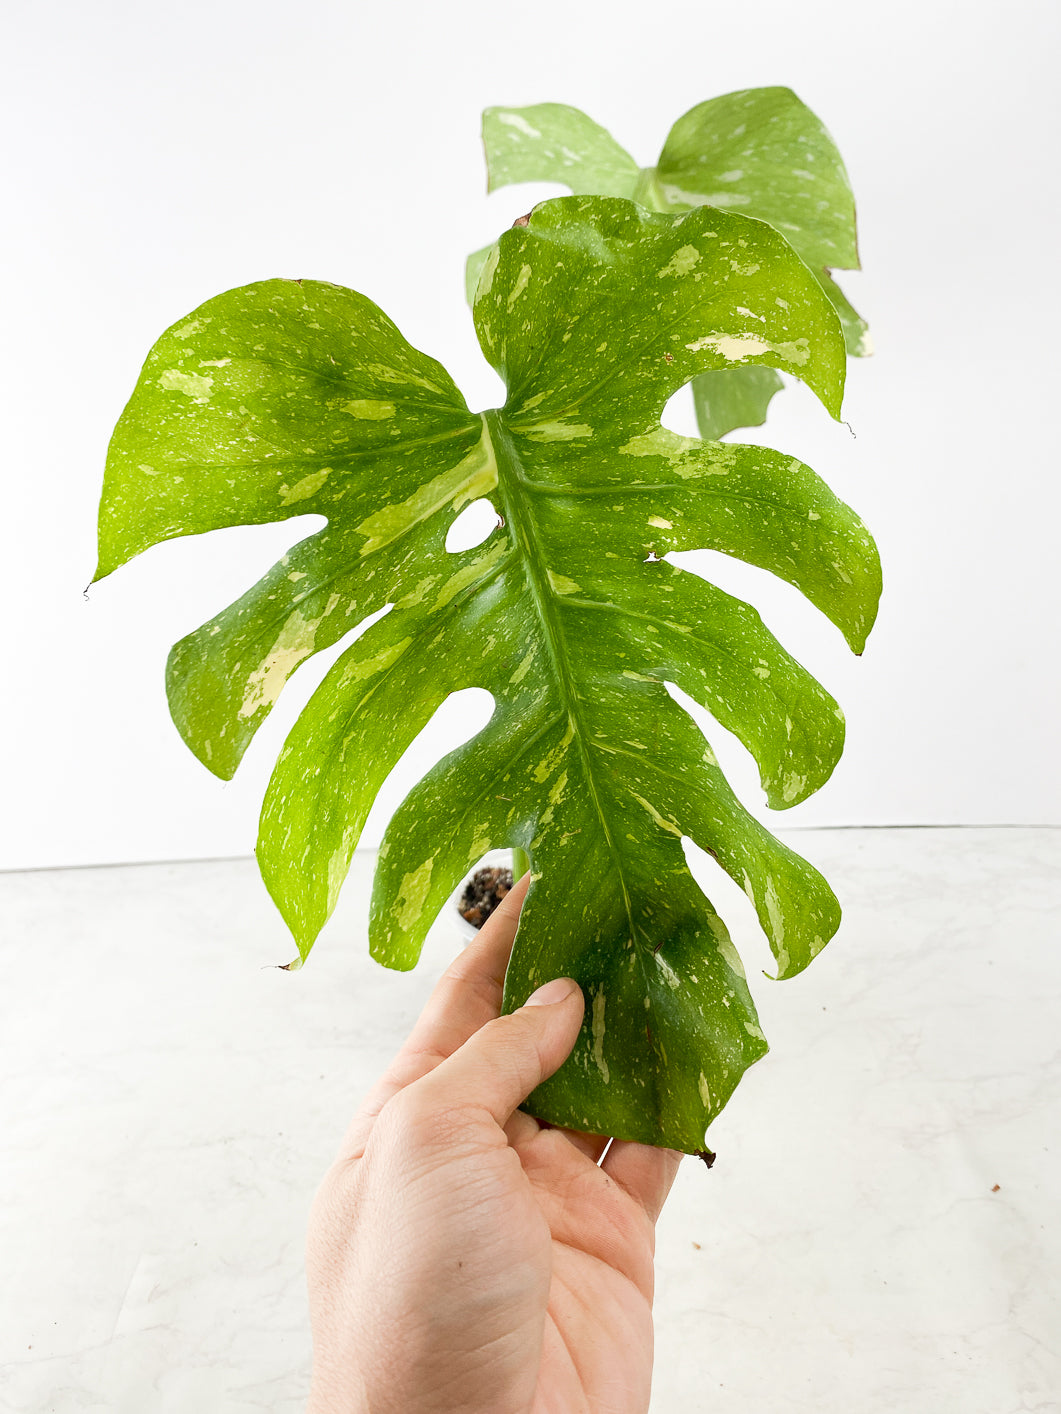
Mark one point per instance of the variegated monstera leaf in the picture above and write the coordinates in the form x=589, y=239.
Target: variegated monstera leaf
x=760, y=152
x=288, y=396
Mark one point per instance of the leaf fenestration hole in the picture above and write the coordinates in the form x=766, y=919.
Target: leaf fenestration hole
x=789, y=615
x=727, y=897
x=732, y=756
x=475, y=524
x=461, y=716
x=678, y=414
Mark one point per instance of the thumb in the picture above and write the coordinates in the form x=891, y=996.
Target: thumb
x=497, y=1067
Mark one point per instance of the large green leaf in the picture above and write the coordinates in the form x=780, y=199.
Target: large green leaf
x=287, y=397
x=760, y=151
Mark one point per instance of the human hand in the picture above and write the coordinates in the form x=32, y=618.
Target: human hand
x=461, y=1256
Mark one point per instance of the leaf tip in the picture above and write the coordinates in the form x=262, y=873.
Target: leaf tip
x=857, y=633
x=104, y=567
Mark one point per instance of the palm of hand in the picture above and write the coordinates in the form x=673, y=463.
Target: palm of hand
x=596, y=1350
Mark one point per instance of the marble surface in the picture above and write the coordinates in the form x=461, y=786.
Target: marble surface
x=880, y=1233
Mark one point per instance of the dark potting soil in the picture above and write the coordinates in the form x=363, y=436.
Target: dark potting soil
x=482, y=894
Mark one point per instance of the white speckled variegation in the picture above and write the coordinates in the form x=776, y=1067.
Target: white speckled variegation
x=594, y=313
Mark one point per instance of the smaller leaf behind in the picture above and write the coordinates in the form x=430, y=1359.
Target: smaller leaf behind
x=736, y=151
x=553, y=142
x=550, y=142
x=762, y=152
x=739, y=397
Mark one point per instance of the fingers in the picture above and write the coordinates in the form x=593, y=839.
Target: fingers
x=498, y=1067
x=466, y=997
x=592, y=1145
x=463, y=1055
x=469, y=992
x=646, y=1173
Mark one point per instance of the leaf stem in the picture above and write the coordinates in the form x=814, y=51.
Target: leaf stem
x=647, y=193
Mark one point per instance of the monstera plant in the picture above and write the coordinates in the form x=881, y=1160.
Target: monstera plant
x=759, y=151
x=292, y=396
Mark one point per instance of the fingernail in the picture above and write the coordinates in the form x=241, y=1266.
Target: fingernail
x=554, y=991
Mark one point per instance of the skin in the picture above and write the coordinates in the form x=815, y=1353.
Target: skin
x=463, y=1256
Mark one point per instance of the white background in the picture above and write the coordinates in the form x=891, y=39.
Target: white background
x=157, y=155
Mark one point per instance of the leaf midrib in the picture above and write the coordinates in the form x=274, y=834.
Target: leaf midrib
x=519, y=516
